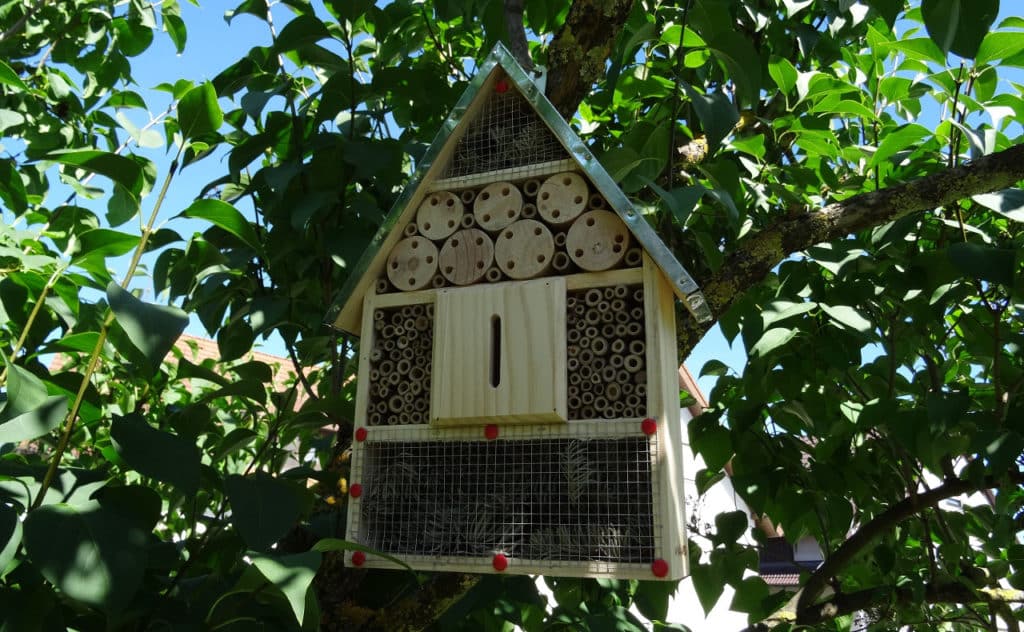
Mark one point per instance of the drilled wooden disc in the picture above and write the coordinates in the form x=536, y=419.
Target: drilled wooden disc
x=597, y=240
x=524, y=249
x=466, y=256
x=439, y=215
x=412, y=263
x=562, y=198
x=497, y=206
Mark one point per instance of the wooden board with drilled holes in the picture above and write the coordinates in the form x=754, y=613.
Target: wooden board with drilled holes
x=597, y=240
x=500, y=354
x=466, y=255
x=524, y=249
x=562, y=197
x=412, y=263
x=439, y=215
x=497, y=205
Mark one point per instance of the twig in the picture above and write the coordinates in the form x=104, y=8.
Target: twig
x=21, y=21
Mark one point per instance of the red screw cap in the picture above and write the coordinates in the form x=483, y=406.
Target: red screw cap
x=660, y=568
x=500, y=562
x=501, y=87
x=361, y=434
x=491, y=432
x=649, y=426
x=356, y=490
x=358, y=558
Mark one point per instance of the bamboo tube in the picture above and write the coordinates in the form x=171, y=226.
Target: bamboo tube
x=622, y=317
x=524, y=249
x=416, y=374
x=529, y=211
x=430, y=310
x=637, y=347
x=379, y=316
x=573, y=350
x=634, y=257
x=415, y=388
x=375, y=419
x=389, y=345
x=382, y=407
x=618, y=305
x=640, y=378
x=396, y=403
x=621, y=291
x=585, y=372
x=403, y=366
x=467, y=196
x=408, y=398
x=411, y=230
x=466, y=256
x=393, y=378
x=572, y=364
x=388, y=333
x=618, y=345
x=595, y=201
x=530, y=187
x=608, y=316
x=562, y=198
x=403, y=418
x=613, y=392
x=627, y=387
x=598, y=363
x=599, y=346
x=417, y=417
x=399, y=327
x=600, y=403
x=497, y=205
x=570, y=303
x=408, y=324
x=374, y=375
x=641, y=390
x=608, y=331
x=638, y=296
x=574, y=381
x=586, y=357
x=387, y=367
x=621, y=330
x=377, y=354
x=437, y=282
x=608, y=293
x=587, y=397
x=634, y=329
x=616, y=361
x=574, y=401
x=587, y=412
x=619, y=408
x=592, y=317
x=592, y=297
x=402, y=342
x=559, y=238
x=421, y=323
x=439, y=215
x=402, y=387
x=633, y=363
x=382, y=286
x=608, y=374
x=579, y=310
x=633, y=402
x=392, y=419
x=597, y=377
x=493, y=274
x=573, y=391
x=561, y=262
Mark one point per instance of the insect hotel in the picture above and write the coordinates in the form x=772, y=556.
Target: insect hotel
x=517, y=407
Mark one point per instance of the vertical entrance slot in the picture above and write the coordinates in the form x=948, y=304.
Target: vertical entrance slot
x=495, y=351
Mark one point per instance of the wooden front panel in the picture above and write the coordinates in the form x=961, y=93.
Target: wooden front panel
x=499, y=354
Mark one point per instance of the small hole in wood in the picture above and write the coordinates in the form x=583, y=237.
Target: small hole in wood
x=505, y=191
x=450, y=202
x=566, y=181
x=540, y=258
x=486, y=218
x=495, y=351
x=590, y=221
x=412, y=281
x=620, y=238
x=434, y=201
x=485, y=196
x=415, y=244
x=479, y=265
x=555, y=213
x=394, y=265
x=577, y=200
x=508, y=234
x=448, y=269
x=455, y=243
x=451, y=223
x=426, y=226
x=511, y=213
x=545, y=195
x=538, y=231
x=616, y=248
x=579, y=252
x=479, y=241
x=510, y=265
x=430, y=259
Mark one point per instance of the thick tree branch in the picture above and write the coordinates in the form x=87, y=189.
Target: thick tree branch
x=517, y=33
x=876, y=527
x=577, y=54
x=755, y=257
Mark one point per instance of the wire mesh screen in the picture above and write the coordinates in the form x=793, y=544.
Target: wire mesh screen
x=507, y=133
x=400, y=365
x=559, y=500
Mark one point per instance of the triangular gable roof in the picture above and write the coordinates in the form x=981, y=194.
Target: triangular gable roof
x=346, y=312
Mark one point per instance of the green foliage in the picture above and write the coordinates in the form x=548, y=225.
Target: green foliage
x=201, y=493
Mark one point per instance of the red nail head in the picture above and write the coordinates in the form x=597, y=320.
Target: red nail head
x=356, y=490
x=358, y=558
x=648, y=426
x=360, y=434
x=659, y=568
x=500, y=562
x=491, y=432
x=501, y=87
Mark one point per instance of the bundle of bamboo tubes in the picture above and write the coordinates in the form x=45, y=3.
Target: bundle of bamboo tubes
x=400, y=365
x=607, y=353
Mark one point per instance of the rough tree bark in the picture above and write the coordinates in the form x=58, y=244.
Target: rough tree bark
x=576, y=60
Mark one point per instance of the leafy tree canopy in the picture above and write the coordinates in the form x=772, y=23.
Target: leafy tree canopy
x=840, y=176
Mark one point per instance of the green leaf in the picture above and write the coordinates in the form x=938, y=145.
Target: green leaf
x=121, y=207
x=999, y=45
x=155, y=453
x=680, y=201
x=750, y=596
x=716, y=112
x=10, y=78
x=889, y=9
x=225, y=216
x=783, y=72
x=293, y=575
x=10, y=535
x=198, y=112
x=100, y=243
x=959, y=25
x=1008, y=202
x=121, y=170
x=152, y=329
x=29, y=412
x=708, y=583
x=714, y=367
x=847, y=316
x=263, y=508
x=133, y=36
x=983, y=262
x=90, y=553
x=176, y=30
x=706, y=478
x=730, y=527
x=304, y=29
x=896, y=141
x=771, y=340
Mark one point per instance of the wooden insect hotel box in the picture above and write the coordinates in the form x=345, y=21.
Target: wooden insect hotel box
x=517, y=407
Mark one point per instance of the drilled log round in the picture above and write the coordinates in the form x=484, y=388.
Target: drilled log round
x=597, y=240
x=439, y=215
x=497, y=205
x=524, y=249
x=412, y=263
x=466, y=256
x=562, y=198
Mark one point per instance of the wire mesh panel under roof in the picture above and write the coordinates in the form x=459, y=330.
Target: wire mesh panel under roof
x=506, y=134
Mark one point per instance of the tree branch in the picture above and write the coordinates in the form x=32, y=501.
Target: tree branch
x=577, y=54
x=879, y=525
x=21, y=21
x=517, y=34
x=755, y=257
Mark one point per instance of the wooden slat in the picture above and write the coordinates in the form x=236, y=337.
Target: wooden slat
x=366, y=343
x=519, y=567
x=512, y=174
x=587, y=280
x=531, y=379
x=663, y=405
x=399, y=299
